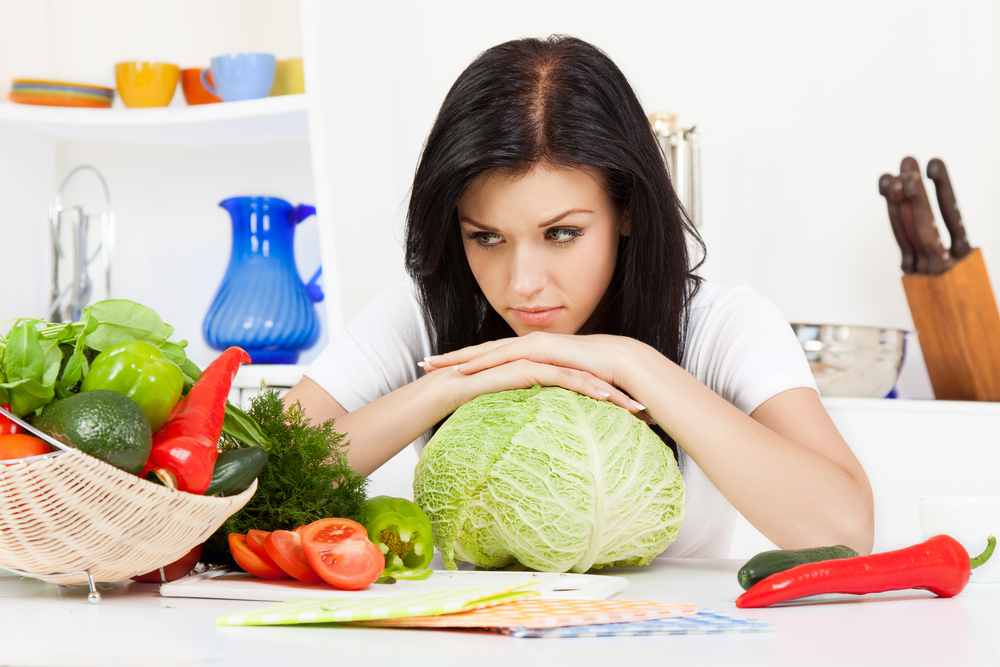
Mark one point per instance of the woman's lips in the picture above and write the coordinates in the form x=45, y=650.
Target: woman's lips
x=536, y=316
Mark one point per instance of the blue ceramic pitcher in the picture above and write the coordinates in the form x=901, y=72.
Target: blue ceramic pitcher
x=262, y=304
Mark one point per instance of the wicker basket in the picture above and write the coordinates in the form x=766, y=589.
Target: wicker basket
x=66, y=514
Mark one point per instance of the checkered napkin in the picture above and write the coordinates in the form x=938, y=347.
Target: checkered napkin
x=346, y=610
x=705, y=621
x=537, y=613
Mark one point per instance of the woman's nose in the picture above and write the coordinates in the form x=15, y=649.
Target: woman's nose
x=528, y=273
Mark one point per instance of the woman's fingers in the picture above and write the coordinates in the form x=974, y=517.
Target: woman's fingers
x=522, y=373
x=451, y=359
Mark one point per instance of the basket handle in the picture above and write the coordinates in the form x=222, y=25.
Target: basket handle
x=31, y=429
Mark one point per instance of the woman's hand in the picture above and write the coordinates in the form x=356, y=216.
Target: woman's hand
x=590, y=365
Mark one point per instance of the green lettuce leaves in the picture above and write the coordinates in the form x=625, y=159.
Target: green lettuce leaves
x=551, y=480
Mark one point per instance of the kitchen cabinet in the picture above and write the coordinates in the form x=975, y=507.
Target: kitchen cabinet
x=910, y=449
x=167, y=168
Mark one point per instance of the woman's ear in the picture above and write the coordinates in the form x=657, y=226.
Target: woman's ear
x=625, y=225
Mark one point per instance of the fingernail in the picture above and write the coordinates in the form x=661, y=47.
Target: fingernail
x=458, y=367
x=605, y=394
x=427, y=358
x=421, y=363
x=638, y=405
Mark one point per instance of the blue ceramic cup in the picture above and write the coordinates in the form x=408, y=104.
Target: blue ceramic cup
x=240, y=76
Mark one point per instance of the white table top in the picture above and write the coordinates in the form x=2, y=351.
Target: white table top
x=42, y=624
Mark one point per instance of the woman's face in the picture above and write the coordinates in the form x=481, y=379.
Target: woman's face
x=542, y=246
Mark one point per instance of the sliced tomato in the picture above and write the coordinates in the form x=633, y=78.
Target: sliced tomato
x=285, y=549
x=250, y=561
x=179, y=568
x=255, y=540
x=338, y=550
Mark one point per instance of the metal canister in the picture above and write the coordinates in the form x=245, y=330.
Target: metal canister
x=681, y=149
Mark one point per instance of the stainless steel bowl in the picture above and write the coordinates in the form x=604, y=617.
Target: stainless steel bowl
x=852, y=361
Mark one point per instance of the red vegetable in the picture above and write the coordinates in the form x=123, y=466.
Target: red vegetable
x=339, y=551
x=285, y=549
x=940, y=565
x=179, y=568
x=250, y=561
x=7, y=427
x=186, y=447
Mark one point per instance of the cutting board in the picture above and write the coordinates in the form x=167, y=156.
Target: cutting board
x=238, y=585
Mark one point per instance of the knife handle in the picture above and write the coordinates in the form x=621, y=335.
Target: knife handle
x=909, y=226
x=938, y=260
x=909, y=261
x=937, y=172
x=909, y=164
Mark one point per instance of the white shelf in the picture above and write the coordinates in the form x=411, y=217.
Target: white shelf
x=275, y=375
x=267, y=120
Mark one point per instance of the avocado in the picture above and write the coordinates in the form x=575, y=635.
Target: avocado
x=103, y=424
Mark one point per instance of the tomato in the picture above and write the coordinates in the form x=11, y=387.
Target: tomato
x=179, y=568
x=22, y=445
x=250, y=561
x=255, y=540
x=339, y=551
x=285, y=548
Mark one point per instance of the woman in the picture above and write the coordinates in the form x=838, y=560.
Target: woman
x=546, y=246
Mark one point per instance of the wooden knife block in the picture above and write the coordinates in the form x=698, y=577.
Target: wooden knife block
x=957, y=320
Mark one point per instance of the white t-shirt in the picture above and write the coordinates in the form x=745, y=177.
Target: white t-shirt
x=739, y=345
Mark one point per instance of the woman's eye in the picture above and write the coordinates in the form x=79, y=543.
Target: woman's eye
x=486, y=238
x=564, y=235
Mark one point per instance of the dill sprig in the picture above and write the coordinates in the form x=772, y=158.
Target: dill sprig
x=306, y=477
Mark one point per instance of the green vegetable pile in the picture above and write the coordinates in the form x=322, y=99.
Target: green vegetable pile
x=306, y=478
x=41, y=361
x=551, y=480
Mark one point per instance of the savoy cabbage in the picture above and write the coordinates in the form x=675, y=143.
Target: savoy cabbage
x=550, y=479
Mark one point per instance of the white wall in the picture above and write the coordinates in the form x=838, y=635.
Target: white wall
x=802, y=107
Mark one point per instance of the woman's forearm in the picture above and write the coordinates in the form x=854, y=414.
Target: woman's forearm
x=794, y=495
x=381, y=429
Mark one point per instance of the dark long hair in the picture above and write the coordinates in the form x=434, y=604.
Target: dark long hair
x=559, y=102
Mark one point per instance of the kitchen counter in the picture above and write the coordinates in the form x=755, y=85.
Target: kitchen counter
x=43, y=624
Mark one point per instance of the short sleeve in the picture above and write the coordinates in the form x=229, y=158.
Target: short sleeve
x=376, y=352
x=743, y=348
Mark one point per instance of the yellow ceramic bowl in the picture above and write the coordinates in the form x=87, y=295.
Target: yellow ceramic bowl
x=145, y=84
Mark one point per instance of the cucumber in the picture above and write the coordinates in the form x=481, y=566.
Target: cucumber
x=235, y=470
x=765, y=564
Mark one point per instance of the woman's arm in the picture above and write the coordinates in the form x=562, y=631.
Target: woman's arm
x=785, y=468
x=381, y=429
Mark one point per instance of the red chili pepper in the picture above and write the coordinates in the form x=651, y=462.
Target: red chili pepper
x=7, y=427
x=940, y=565
x=186, y=447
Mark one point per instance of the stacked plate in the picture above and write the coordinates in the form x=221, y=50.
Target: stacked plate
x=59, y=94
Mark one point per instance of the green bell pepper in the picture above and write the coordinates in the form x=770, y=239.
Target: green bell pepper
x=141, y=372
x=401, y=531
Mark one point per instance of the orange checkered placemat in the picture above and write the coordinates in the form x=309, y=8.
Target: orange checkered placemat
x=539, y=613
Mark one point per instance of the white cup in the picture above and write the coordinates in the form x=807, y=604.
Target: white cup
x=968, y=519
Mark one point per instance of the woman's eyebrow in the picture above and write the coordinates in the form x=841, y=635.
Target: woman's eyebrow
x=486, y=228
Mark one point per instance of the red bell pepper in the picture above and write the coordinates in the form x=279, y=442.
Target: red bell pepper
x=7, y=427
x=186, y=446
x=940, y=565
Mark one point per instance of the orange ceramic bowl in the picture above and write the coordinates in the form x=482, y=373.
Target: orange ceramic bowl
x=194, y=92
x=145, y=84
